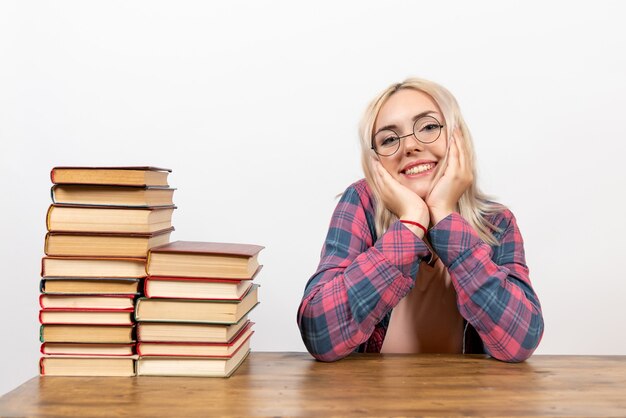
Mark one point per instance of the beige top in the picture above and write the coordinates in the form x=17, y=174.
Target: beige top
x=427, y=319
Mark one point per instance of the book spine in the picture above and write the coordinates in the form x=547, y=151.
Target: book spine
x=48, y=215
x=41, y=300
x=52, y=175
x=42, y=286
x=41, y=334
x=148, y=258
x=52, y=194
x=42, y=348
x=43, y=266
x=145, y=287
x=42, y=370
x=45, y=244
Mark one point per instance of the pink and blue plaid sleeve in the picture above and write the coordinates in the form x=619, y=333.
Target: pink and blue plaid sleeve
x=493, y=288
x=357, y=281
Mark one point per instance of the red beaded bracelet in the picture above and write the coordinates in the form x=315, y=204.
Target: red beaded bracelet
x=417, y=224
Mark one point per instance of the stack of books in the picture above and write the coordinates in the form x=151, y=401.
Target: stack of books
x=193, y=320
x=101, y=224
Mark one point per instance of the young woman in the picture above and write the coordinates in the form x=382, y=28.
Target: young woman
x=417, y=259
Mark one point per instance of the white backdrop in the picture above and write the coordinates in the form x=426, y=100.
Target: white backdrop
x=255, y=106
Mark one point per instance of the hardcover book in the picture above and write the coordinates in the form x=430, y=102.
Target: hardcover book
x=87, y=349
x=87, y=366
x=125, y=196
x=123, y=176
x=179, y=349
x=103, y=244
x=90, y=286
x=188, y=288
x=192, y=366
x=74, y=218
x=87, y=334
x=190, y=310
x=93, y=267
x=86, y=316
x=186, y=332
x=204, y=259
x=123, y=302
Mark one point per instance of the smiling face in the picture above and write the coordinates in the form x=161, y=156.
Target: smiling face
x=415, y=163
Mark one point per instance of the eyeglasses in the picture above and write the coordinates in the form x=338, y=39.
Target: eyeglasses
x=426, y=130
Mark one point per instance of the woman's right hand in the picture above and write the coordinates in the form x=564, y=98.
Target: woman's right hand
x=399, y=199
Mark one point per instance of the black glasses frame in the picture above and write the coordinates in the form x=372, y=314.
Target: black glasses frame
x=400, y=138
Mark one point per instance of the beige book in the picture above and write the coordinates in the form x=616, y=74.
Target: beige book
x=51, y=285
x=103, y=245
x=86, y=349
x=86, y=334
x=85, y=302
x=204, y=259
x=87, y=366
x=47, y=316
x=74, y=218
x=112, y=196
x=189, y=366
x=195, y=349
x=186, y=332
x=93, y=267
x=204, y=311
x=126, y=176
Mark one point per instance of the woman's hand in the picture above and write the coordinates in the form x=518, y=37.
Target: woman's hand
x=456, y=179
x=399, y=199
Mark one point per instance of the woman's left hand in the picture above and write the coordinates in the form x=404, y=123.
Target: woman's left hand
x=457, y=178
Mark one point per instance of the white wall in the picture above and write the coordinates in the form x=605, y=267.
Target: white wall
x=254, y=105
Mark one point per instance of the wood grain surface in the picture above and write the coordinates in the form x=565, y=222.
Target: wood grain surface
x=288, y=384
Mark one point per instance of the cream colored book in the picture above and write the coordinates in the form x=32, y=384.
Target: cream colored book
x=87, y=349
x=204, y=259
x=87, y=366
x=86, y=302
x=103, y=244
x=112, y=196
x=73, y=218
x=202, y=311
x=87, y=334
x=187, y=332
x=89, y=317
x=97, y=267
x=124, y=176
x=190, y=366
x=195, y=349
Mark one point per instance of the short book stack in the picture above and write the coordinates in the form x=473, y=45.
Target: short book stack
x=193, y=320
x=101, y=224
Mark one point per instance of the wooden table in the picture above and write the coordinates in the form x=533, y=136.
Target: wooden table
x=364, y=384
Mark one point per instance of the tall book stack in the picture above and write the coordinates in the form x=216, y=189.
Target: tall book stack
x=193, y=320
x=101, y=224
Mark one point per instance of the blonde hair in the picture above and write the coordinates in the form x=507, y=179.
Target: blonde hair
x=474, y=206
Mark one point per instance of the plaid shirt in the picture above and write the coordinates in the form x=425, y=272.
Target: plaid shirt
x=347, y=303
